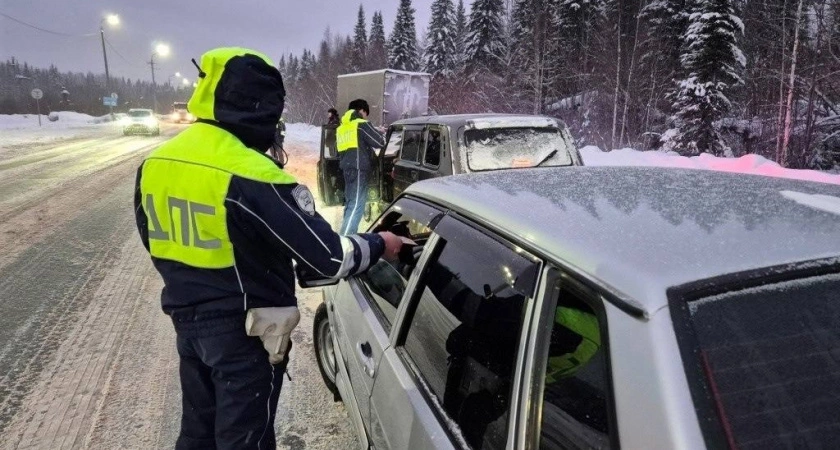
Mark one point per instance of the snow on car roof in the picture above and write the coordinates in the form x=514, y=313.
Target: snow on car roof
x=512, y=122
x=641, y=230
x=402, y=72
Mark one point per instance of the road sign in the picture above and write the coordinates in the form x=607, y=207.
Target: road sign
x=37, y=94
x=109, y=101
x=114, y=95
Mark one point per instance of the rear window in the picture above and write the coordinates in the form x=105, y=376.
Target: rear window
x=503, y=148
x=139, y=113
x=771, y=358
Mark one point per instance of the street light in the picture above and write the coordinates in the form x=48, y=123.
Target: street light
x=161, y=50
x=186, y=82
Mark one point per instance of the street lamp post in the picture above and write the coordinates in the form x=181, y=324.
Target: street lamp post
x=112, y=20
x=160, y=50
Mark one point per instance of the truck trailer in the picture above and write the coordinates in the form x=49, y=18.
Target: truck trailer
x=392, y=94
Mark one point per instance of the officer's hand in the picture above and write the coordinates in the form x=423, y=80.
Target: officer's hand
x=393, y=244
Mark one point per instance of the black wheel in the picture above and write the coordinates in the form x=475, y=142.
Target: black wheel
x=324, y=350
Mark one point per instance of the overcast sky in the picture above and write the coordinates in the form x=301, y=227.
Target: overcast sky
x=190, y=27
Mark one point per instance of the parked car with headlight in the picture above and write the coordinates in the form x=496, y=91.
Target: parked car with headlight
x=641, y=308
x=141, y=121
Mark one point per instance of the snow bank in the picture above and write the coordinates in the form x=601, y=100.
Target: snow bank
x=66, y=119
x=752, y=164
x=304, y=133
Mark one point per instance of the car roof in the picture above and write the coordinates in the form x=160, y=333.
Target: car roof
x=641, y=230
x=458, y=120
x=139, y=109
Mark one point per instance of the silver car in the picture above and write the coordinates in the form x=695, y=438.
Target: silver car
x=640, y=308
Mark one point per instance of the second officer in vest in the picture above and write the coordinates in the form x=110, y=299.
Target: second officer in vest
x=356, y=140
x=224, y=224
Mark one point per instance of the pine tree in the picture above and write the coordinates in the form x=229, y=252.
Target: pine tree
x=712, y=61
x=360, y=43
x=439, y=55
x=403, y=45
x=460, y=57
x=377, y=56
x=485, y=36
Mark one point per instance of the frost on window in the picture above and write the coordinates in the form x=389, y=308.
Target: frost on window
x=503, y=148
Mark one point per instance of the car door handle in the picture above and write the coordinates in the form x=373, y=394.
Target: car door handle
x=365, y=354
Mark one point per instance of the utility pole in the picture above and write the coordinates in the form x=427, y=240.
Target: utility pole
x=154, y=86
x=112, y=20
x=105, y=57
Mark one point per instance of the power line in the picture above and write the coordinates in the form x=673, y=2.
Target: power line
x=57, y=33
x=114, y=49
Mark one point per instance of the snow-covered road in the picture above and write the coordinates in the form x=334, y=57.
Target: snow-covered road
x=87, y=359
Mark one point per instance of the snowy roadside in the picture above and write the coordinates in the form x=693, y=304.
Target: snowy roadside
x=748, y=164
x=23, y=129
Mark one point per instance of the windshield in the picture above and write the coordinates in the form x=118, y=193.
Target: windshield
x=139, y=113
x=503, y=148
x=772, y=361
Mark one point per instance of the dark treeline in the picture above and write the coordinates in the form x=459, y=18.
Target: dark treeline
x=85, y=91
x=724, y=77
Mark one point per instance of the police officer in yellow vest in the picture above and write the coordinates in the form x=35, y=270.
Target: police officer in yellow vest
x=224, y=224
x=575, y=339
x=355, y=139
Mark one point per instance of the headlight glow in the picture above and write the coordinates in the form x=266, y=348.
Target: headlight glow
x=151, y=121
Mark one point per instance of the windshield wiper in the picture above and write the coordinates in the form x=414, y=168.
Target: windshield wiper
x=547, y=157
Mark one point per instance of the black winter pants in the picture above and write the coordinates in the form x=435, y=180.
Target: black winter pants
x=230, y=392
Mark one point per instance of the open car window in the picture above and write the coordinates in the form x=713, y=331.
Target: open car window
x=385, y=281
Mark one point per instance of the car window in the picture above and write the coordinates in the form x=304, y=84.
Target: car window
x=394, y=142
x=434, y=146
x=385, y=281
x=770, y=359
x=502, y=148
x=574, y=411
x=411, y=143
x=464, y=334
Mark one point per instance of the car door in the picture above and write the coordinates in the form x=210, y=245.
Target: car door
x=446, y=381
x=330, y=177
x=366, y=305
x=407, y=165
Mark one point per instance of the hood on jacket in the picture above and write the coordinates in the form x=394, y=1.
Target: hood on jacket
x=241, y=91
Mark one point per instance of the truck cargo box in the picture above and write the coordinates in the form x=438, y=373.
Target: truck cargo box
x=392, y=94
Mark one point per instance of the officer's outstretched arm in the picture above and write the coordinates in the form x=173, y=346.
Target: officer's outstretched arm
x=371, y=135
x=284, y=218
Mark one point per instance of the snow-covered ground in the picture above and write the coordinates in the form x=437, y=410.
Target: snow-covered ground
x=752, y=164
x=303, y=133
x=21, y=129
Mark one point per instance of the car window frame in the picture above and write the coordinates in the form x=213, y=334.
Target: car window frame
x=443, y=141
x=387, y=324
x=408, y=308
x=709, y=421
x=420, y=151
x=533, y=389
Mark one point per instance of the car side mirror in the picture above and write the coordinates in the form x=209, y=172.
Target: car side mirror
x=309, y=279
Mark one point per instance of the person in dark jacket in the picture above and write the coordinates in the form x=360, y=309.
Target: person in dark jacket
x=356, y=138
x=224, y=225
x=332, y=117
